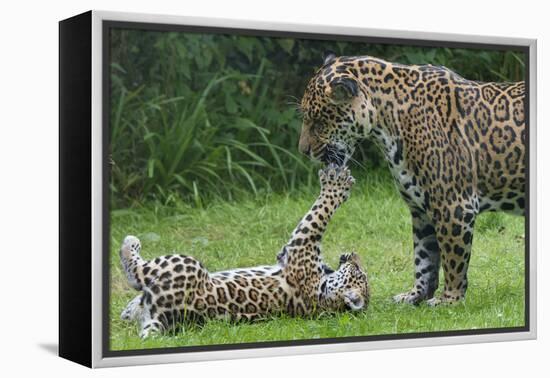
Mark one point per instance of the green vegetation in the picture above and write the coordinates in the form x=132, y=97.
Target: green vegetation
x=374, y=222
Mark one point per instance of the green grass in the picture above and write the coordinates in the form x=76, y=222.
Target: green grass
x=374, y=222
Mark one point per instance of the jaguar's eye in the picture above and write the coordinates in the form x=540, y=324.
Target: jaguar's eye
x=317, y=126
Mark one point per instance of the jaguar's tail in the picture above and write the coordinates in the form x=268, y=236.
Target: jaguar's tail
x=132, y=263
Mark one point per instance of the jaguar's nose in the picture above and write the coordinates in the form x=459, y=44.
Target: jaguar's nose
x=303, y=145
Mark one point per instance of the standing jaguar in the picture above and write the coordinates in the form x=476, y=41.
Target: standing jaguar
x=178, y=288
x=455, y=148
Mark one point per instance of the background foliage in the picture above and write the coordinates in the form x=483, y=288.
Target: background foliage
x=203, y=116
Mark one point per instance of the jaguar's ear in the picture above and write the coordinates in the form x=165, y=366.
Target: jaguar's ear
x=354, y=301
x=355, y=258
x=350, y=257
x=342, y=90
x=328, y=56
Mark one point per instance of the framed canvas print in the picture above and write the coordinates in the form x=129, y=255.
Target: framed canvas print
x=232, y=189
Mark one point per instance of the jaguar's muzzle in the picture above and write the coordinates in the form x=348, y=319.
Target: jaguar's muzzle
x=333, y=155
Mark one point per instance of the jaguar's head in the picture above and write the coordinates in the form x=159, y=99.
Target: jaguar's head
x=336, y=109
x=347, y=288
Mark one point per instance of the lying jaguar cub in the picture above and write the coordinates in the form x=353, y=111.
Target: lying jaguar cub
x=178, y=288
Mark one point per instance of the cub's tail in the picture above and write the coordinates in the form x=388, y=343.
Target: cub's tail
x=132, y=263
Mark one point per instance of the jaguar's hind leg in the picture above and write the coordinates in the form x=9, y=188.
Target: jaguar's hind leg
x=455, y=238
x=133, y=309
x=149, y=324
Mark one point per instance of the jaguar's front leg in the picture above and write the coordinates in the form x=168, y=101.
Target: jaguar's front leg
x=426, y=260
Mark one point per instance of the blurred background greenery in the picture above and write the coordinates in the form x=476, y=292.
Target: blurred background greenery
x=204, y=116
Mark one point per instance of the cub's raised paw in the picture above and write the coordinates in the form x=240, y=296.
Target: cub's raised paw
x=336, y=181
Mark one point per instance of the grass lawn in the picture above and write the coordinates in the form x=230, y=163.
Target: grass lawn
x=374, y=222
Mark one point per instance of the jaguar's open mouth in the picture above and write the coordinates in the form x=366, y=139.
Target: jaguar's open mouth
x=333, y=155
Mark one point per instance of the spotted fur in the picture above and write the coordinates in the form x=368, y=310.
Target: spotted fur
x=455, y=147
x=178, y=288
